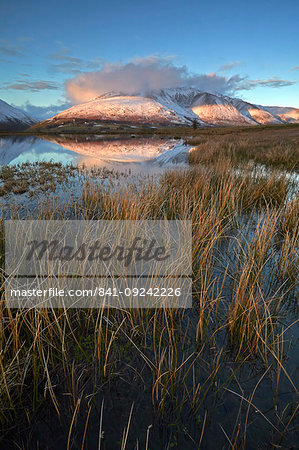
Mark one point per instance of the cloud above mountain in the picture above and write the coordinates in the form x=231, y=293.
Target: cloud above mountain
x=142, y=75
x=154, y=72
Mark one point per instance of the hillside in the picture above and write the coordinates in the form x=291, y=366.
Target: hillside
x=13, y=119
x=169, y=107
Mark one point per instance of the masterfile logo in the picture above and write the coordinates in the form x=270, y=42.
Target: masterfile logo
x=114, y=263
x=139, y=250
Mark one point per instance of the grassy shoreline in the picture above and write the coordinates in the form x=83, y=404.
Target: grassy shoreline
x=115, y=129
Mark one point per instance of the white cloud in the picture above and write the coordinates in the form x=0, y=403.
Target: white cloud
x=142, y=75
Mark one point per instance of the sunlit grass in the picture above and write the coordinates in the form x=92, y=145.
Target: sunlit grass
x=245, y=275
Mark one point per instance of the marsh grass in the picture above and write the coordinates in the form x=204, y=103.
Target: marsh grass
x=280, y=151
x=170, y=370
x=46, y=177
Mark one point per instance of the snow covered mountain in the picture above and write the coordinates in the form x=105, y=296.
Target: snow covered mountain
x=12, y=118
x=290, y=115
x=171, y=106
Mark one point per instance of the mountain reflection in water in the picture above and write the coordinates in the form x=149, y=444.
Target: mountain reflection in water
x=140, y=153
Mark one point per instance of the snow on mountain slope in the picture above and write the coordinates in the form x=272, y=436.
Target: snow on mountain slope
x=219, y=110
x=171, y=106
x=131, y=109
x=12, y=118
x=214, y=109
x=286, y=114
x=256, y=112
x=179, y=100
x=264, y=117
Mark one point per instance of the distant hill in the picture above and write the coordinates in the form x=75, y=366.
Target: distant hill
x=13, y=119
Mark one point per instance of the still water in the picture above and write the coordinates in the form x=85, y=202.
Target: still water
x=141, y=154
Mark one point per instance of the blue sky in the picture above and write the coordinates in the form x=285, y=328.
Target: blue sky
x=57, y=52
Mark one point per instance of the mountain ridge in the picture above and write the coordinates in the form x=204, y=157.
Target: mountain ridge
x=173, y=106
x=12, y=118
